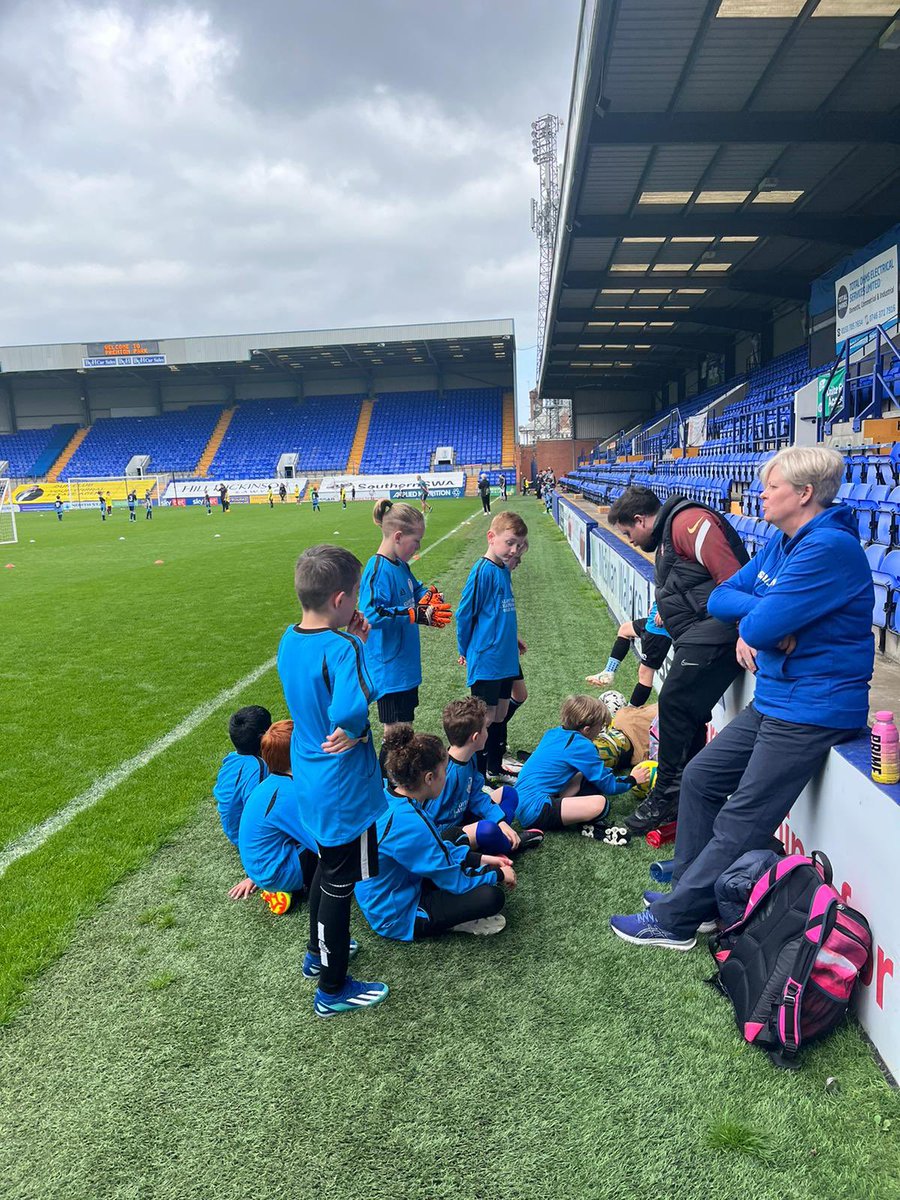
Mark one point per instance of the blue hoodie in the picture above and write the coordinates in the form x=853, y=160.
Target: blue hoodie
x=817, y=586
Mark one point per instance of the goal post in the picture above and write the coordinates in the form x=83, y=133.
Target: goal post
x=8, y=534
x=85, y=490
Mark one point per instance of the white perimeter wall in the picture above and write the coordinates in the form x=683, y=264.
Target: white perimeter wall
x=842, y=812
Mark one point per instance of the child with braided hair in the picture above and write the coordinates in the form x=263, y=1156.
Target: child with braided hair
x=425, y=886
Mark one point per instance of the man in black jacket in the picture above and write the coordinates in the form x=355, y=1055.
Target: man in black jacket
x=696, y=549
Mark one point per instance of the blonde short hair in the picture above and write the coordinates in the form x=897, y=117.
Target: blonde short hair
x=819, y=467
x=584, y=712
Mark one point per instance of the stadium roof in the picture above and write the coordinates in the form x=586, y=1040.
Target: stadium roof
x=313, y=354
x=720, y=155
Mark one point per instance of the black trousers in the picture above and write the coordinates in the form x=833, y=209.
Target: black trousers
x=697, y=678
x=446, y=909
x=486, y=502
x=734, y=796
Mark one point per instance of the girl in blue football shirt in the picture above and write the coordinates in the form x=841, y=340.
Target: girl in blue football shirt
x=395, y=604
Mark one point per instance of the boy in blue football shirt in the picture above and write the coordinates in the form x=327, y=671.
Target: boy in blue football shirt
x=487, y=633
x=466, y=811
x=425, y=886
x=328, y=690
x=564, y=781
x=240, y=772
x=395, y=604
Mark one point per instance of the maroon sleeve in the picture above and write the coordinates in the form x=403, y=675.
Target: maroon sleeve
x=698, y=537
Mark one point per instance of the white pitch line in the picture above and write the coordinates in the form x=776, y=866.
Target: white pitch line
x=39, y=834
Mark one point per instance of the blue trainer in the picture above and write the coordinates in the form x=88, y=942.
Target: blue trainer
x=352, y=996
x=312, y=963
x=703, y=927
x=641, y=929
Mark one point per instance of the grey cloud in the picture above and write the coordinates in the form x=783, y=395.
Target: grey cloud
x=209, y=168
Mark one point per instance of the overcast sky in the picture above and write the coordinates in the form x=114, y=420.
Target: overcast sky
x=236, y=166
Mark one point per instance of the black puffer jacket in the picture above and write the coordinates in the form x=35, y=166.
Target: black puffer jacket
x=683, y=587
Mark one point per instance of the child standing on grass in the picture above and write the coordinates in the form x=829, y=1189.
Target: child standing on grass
x=277, y=850
x=395, y=604
x=328, y=689
x=487, y=633
x=466, y=811
x=654, y=645
x=564, y=781
x=240, y=772
x=425, y=886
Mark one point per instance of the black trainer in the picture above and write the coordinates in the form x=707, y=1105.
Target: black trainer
x=652, y=812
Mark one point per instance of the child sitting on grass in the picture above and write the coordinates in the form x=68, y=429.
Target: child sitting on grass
x=467, y=811
x=564, y=781
x=276, y=848
x=425, y=886
x=240, y=772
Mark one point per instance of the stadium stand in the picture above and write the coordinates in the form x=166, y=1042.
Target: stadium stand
x=407, y=427
x=319, y=429
x=31, y=452
x=174, y=442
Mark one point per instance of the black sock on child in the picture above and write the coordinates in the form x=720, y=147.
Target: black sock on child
x=640, y=695
x=620, y=648
x=493, y=750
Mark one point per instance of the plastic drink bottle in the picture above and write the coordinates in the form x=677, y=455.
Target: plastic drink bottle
x=885, y=749
x=659, y=837
x=661, y=872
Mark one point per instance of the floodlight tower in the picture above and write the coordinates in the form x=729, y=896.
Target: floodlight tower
x=544, y=215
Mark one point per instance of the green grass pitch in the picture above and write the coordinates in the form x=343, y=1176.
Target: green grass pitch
x=157, y=1039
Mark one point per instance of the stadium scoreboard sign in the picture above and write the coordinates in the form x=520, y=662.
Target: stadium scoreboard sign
x=866, y=297
x=122, y=354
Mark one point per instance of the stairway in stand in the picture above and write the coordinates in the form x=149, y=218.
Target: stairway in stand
x=359, y=438
x=215, y=441
x=71, y=446
x=508, y=445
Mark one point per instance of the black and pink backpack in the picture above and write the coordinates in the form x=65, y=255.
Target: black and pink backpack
x=790, y=964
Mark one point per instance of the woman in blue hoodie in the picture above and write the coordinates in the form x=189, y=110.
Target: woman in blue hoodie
x=803, y=608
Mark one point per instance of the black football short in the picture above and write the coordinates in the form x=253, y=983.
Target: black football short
x=353, y=861
x=653, y=648
x=396, y=708
x=550, y=817
x=492, y=691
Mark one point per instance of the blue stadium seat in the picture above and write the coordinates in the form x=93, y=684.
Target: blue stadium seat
x=174, y=442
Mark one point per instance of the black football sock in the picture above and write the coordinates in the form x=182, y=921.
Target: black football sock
x=640, y=695
x=620, y=648
x=494, y=748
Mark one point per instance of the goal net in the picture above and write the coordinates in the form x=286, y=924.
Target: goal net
x=7, y=515
x=85, y=490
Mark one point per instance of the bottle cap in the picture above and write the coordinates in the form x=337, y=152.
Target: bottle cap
x=884, y=716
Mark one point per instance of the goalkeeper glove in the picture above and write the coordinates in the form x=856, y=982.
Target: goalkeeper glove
x=430, y=613
x=432, y=595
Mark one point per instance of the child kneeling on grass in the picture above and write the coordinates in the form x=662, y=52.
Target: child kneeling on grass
x=467, y=811
x=425, y=886
x=240, y=772
x=277, y=850
x=564, y=781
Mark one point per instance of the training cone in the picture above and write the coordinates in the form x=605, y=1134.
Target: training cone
x=9, y=566
x=158, y=562
x=121, y=539
x=215, y=535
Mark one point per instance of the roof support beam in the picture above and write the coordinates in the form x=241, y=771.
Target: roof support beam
x=843, y=230
x=693, y=128
x=779, y=285
x=741, y=320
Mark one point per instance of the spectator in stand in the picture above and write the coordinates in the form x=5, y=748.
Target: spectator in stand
x=696, y=549
x=804, y=610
